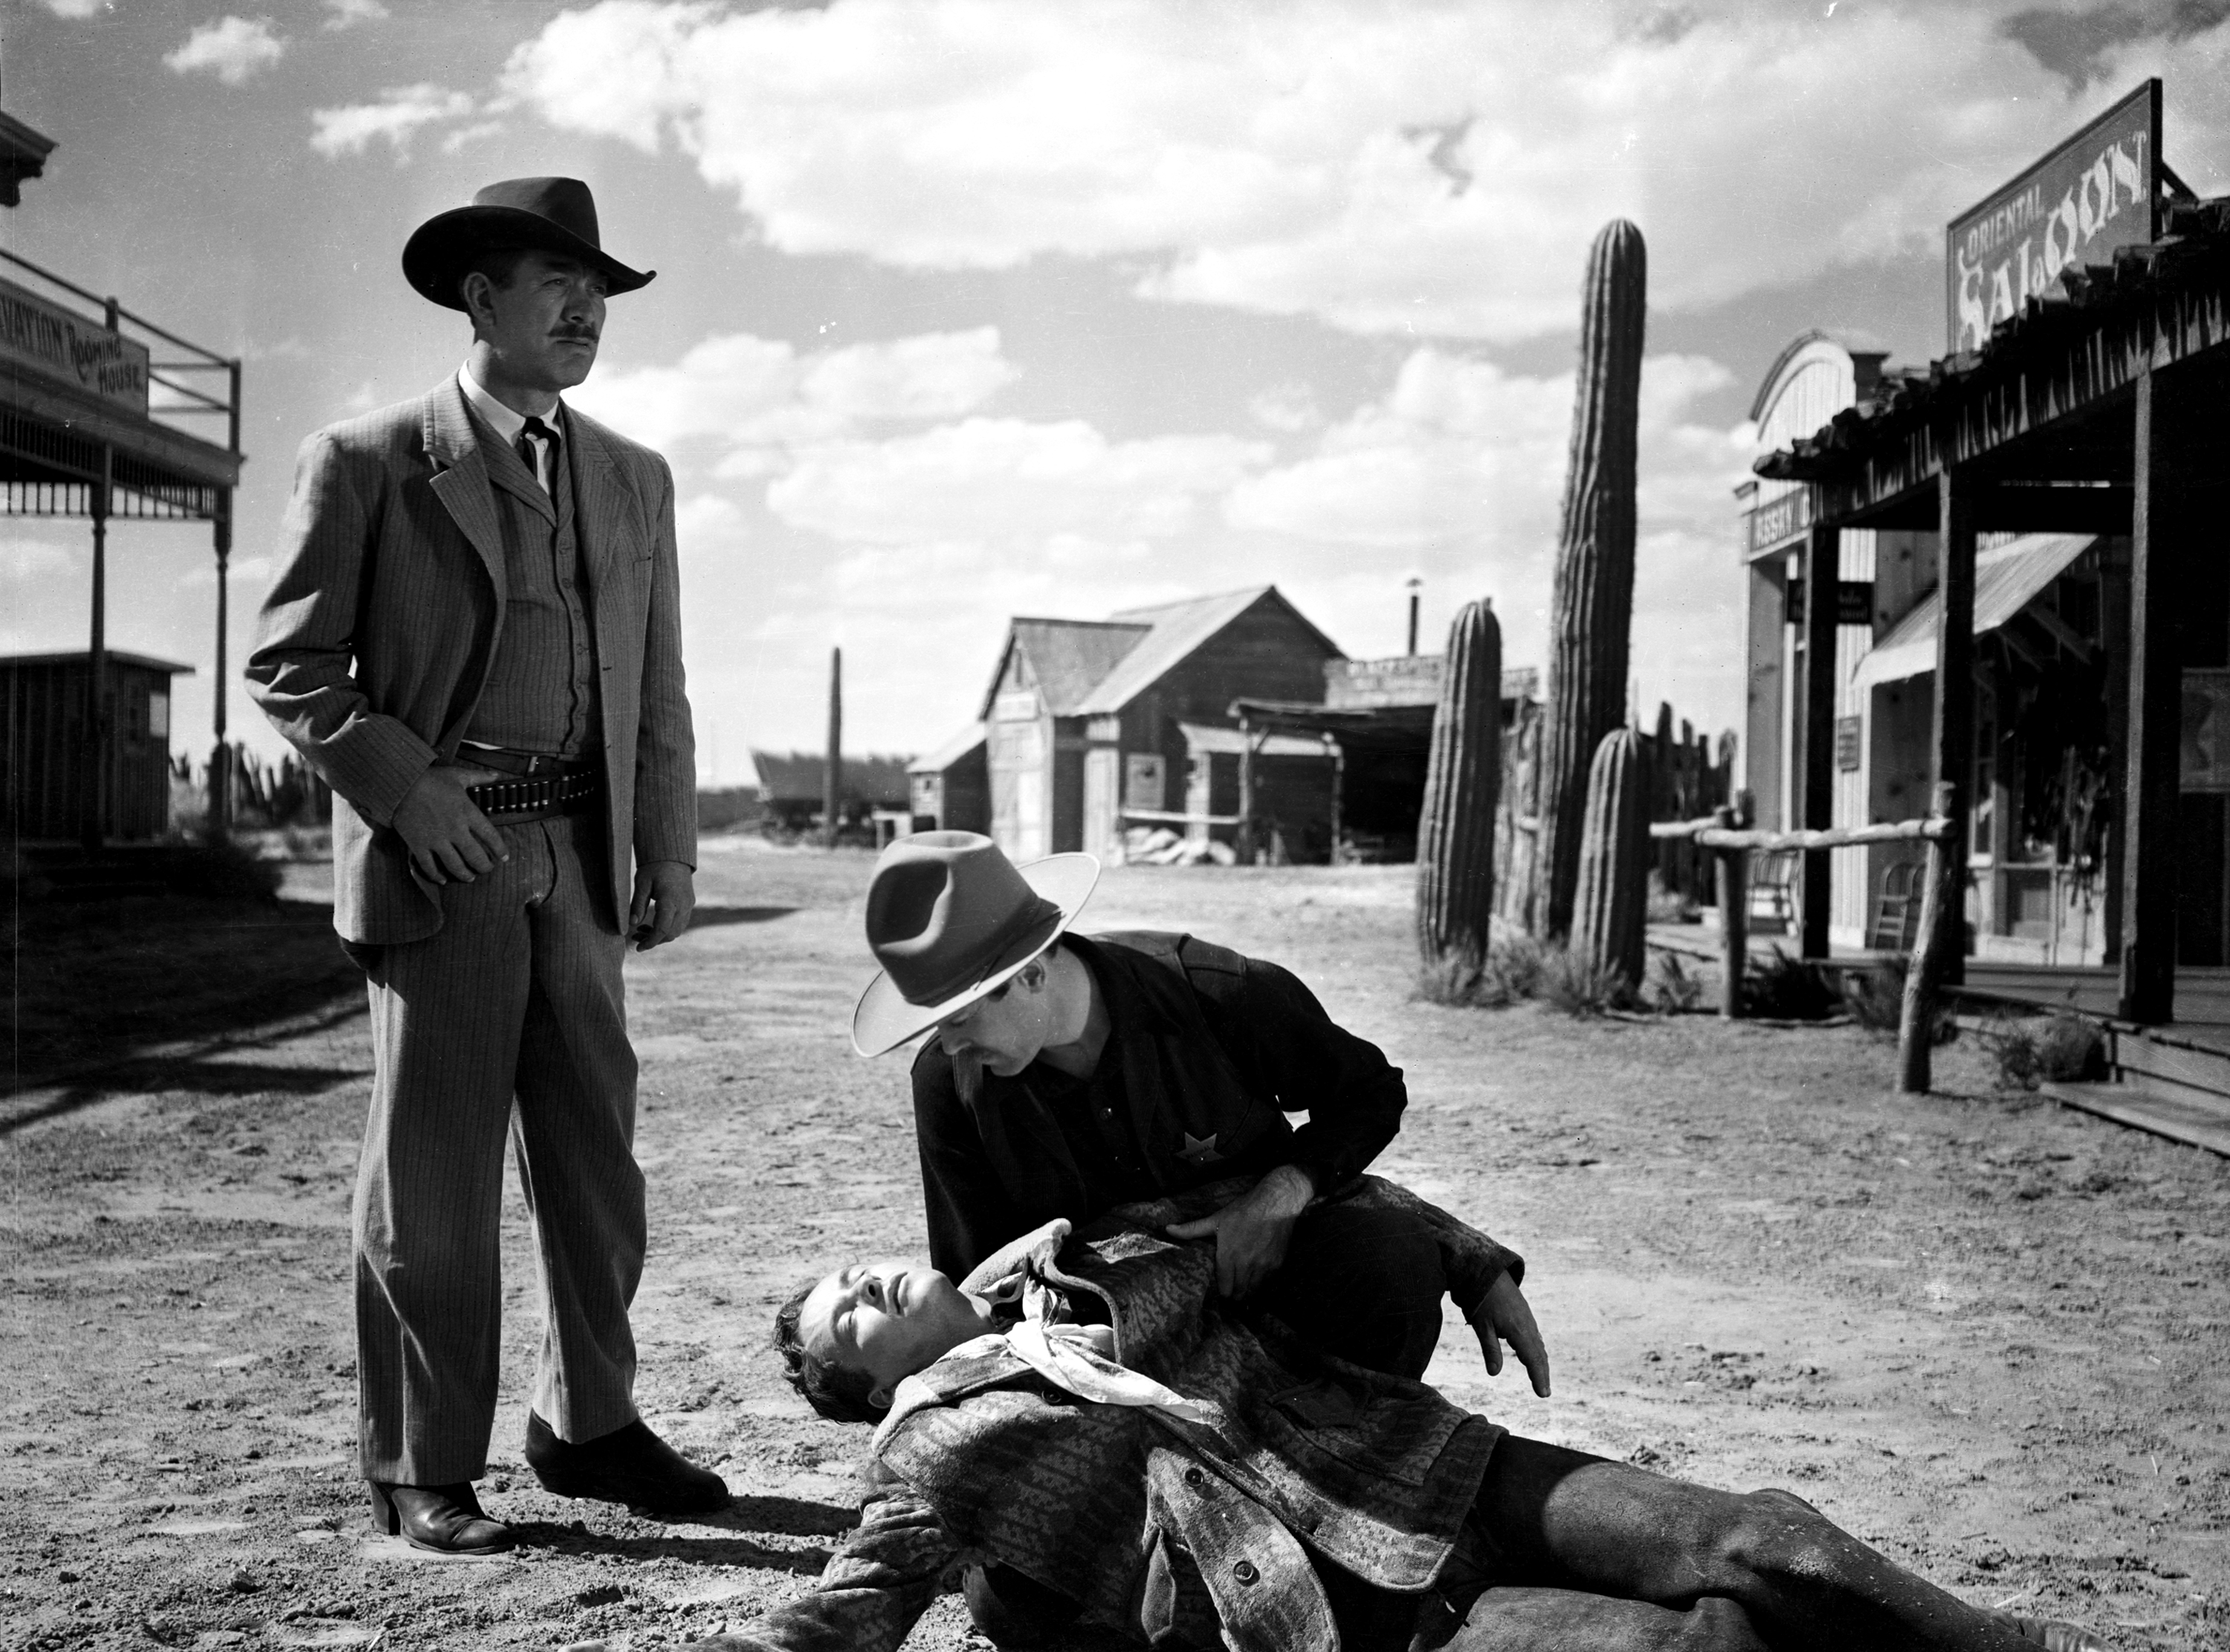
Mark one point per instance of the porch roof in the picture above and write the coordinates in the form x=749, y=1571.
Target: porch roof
x=2042, y=411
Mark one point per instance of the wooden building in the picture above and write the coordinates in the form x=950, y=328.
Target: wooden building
x=2060, y=479
x=1084, y=719
x=47, y=770
x=103, y=414
x=951, y=786
x=1374, y=725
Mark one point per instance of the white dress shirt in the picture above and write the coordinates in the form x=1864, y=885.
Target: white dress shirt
x=506, y=423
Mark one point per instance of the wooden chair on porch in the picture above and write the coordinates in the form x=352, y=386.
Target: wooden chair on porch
x=1896, y=909
x=1774, y=881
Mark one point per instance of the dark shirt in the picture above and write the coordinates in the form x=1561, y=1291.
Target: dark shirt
x=1206, y=1052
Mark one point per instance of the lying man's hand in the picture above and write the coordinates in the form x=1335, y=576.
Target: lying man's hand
x=1503, y=1317
x=1250, y=1232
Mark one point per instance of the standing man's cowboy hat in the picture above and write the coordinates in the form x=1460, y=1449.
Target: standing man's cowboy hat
x=951, y=919
x=557, y=214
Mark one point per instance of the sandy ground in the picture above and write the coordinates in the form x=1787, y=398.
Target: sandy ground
x=1984, y=1333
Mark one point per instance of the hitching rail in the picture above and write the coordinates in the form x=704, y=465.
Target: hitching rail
x=1732, y=844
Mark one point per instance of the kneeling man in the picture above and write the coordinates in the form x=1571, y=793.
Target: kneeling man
x=1069, y=1075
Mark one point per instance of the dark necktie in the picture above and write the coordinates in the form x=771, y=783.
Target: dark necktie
x=530, y=448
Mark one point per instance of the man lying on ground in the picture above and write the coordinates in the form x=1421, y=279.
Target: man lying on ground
x=1084, y=1411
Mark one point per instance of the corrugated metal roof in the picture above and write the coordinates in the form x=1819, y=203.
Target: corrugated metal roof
x=936, y=762
x=2194, y=251
x=2007, y=578
x=1068, y=657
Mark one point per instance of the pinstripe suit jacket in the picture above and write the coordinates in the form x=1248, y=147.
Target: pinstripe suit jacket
x=387, y=605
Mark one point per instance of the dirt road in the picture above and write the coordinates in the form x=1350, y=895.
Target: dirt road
x=1987, y=1334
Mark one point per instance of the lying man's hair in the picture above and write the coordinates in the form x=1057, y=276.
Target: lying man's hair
x=839, y=1392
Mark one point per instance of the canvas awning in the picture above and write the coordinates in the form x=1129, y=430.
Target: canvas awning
x=2007, y=579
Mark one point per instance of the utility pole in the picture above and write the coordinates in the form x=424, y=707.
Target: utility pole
x=832, y=773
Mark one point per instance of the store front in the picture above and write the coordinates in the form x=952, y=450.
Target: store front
x=2064, y=665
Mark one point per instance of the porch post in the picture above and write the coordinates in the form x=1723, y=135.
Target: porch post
x=93, y=825
x=1246, y=834
x=1953, y=729
x=220, y=768
x=1822, y=600
x=2114, y=622
x=2155, y=699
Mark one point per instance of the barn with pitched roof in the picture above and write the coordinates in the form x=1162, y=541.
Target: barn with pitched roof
x=1085, y=720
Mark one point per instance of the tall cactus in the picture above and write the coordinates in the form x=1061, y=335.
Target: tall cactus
x=1455, y=834
x=1592, y=611
x=1611, y=906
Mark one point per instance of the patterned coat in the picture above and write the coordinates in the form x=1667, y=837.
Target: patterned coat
x=389, y=604
x=1179, y=1534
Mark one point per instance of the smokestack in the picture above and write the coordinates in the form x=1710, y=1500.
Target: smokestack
x=1415, y=584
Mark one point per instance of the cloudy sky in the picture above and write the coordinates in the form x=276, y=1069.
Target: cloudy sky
x=968, y=308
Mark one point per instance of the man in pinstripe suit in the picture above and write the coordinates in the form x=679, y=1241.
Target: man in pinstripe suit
x=474, y=636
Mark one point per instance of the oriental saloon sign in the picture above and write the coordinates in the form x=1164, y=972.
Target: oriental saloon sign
x=2097, y=191
x=62, y=344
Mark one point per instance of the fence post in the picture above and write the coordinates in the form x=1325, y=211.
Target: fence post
x=1941, y=920
x=1734, y=915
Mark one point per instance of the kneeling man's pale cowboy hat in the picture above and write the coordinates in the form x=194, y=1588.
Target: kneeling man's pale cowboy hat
x=557, y=214
x=951, y=919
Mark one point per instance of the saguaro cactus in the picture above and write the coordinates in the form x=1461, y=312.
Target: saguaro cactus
x=1592, y=611
x=1611, y=905
x=1455, y=834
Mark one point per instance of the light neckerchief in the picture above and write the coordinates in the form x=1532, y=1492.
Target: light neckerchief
x=1064, y=1355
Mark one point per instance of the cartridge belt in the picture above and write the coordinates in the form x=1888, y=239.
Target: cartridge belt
x=516, y=802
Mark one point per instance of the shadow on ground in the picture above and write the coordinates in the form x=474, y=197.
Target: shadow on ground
x=99, y=989
x=712, y=917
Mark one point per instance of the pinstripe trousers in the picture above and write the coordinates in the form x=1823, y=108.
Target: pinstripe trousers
x=512, y=1017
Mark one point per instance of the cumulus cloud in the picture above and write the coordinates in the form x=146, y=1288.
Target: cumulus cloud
x=1009, y=477
x=754, y=394
x=400, y=114
x=347, y=14
x=1428, y=168
x=77, y=8
x=22, y=560
x=1459, y=472
x=232, y=48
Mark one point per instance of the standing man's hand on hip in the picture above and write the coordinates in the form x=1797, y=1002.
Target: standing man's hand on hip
x=1250, y=1232
x=665, y=895
x=447, y=836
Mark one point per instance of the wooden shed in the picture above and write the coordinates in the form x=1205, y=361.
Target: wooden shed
x=50, y=761
x=951, y=786
x=1083, y=718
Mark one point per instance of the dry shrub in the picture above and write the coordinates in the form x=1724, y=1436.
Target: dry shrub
x=1514, y=964
x=1510, y=973
x=1875, y=998
x=2064, y=1049
x=1672, y=989
x=1578, y=987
